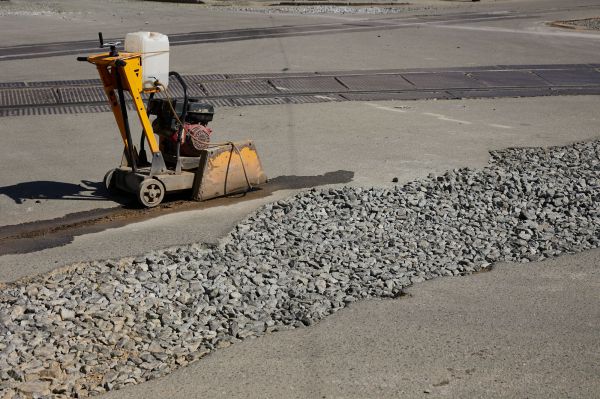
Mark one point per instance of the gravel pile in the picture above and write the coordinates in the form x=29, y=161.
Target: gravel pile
x=589, y=23
x=322, y=9
x=104, y=325
x=9, y=9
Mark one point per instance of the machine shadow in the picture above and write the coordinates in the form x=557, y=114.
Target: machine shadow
x=89, y=190
x=299, y=182
x=286, y=182
x=53, y=190
x=44, y=234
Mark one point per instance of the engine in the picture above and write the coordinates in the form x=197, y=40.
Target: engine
x=196, y=134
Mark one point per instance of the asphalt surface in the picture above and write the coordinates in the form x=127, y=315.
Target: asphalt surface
x=376, y=141
x=519, y=331
x=524, y=41
x=43, y=50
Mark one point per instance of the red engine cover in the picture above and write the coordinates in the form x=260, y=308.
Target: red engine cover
x=196, y=138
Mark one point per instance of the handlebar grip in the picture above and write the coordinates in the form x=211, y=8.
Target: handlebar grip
x=83, y=59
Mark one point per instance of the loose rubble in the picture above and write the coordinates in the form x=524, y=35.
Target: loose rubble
x=322, y=9
x=588, y=23
x=101, y=326
x=10, y=9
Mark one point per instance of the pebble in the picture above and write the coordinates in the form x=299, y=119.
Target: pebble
x=66, y=314
x=35, y=387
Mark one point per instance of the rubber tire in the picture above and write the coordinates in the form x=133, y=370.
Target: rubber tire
x=150, y=193
x=109, y=182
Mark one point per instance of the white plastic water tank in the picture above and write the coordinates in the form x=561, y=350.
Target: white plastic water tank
x=154, y=48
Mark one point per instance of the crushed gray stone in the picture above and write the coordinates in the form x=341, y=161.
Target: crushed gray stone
x=322, y=9
x=588, y=23
x=103, y=325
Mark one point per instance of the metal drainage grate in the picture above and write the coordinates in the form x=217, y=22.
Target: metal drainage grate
x=502, y=93
x=81, y=95
x=509, y=79
x=567, y=91
x=219, y=102
x=204, y=78
x=375, y=82
x=442, y=80
x=262, y=101
x=78, y=82
x=571, y=78
x=11, y=85
x=175, y=90
x=55, y=110
x=405, y=95
x=317, y=84
x=238, y=88
x=243, y=101
x=16, y=97
x=270, y=75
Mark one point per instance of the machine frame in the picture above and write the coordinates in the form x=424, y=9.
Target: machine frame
x=210, y=175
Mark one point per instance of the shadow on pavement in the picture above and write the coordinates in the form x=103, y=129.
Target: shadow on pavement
x=54, y=190
x=43, y=234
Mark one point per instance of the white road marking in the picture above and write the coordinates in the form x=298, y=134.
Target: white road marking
x=385, y=108
x=592, y=36
x=499, y=126
x=446, y=119
x=440, y=117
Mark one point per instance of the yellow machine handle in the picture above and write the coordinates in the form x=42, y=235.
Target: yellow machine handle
x=130, y=69
x=119, y=73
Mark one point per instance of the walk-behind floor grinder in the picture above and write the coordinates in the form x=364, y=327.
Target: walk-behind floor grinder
x=183, y=158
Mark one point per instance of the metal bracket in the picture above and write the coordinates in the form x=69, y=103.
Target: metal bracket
x=125, y=161
x=158, y=164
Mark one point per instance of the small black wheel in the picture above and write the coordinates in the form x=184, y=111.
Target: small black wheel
x=150, y=193
x=109, y=182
